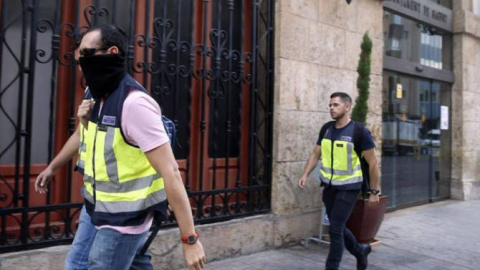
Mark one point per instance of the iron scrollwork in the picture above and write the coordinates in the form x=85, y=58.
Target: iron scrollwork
x=175, y=55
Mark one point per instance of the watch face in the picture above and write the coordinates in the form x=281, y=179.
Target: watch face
x=191, y=239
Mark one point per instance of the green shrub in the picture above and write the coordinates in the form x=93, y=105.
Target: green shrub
x=360, y=109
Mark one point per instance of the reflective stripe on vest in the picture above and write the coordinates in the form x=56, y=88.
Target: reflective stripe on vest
x=82, y=151
x=120, y=202
x=342, y=166
x=80, y=166
x=119, y=186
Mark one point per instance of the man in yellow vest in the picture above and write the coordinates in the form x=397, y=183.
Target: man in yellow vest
x=130, y=168
x=77, y=257
x=341, y=177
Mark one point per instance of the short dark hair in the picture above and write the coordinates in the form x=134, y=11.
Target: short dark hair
x=343, y=96
x=77, y=41
x=111, y=35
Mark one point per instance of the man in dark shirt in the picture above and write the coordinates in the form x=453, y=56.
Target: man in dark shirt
x=341, y=177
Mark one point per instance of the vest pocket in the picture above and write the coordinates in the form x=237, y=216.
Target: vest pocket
x=340, y=156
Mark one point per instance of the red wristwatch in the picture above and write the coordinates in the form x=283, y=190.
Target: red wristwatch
x=190, y=238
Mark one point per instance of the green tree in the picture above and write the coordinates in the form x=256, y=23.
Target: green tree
x=360, y=109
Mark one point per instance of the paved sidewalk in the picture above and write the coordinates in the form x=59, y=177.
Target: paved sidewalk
x=439, y=236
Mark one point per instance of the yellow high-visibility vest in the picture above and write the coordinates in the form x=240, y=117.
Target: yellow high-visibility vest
x=121, y=185
x=82, y=150
x=340, y=162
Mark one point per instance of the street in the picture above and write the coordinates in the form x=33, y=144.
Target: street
x=438, y=236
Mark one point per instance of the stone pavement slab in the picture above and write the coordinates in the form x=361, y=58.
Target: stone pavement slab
x=439, y=236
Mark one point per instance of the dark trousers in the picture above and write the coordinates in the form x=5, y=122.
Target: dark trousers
x=339, y=205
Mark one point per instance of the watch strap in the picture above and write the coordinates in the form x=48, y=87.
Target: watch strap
x=190, y=238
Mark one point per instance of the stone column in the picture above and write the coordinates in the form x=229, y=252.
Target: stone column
x=466, y=109
x=317, y=49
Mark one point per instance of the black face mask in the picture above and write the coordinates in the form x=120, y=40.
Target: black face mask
x=103, y=73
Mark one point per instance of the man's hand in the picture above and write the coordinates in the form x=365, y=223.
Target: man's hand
x=42, y=180
x=302, y=181
x=373, y=199
x=84, y=111
x=194, y=256
x=163, y=160
x=311, y=163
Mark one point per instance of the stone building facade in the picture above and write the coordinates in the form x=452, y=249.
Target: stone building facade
x=466, y=91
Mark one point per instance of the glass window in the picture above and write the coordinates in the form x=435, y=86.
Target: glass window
x=416, y=153
x=476, y=7
x=416, y=42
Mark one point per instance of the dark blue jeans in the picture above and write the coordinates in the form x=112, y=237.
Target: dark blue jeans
x=339, y=205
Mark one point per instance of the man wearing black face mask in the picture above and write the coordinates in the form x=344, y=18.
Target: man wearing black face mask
x=77, y=257
x=129, y=166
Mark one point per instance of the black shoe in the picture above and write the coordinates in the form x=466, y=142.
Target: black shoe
x=362, y=261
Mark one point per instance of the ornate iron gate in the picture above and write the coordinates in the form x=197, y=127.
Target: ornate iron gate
x=209, y=64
